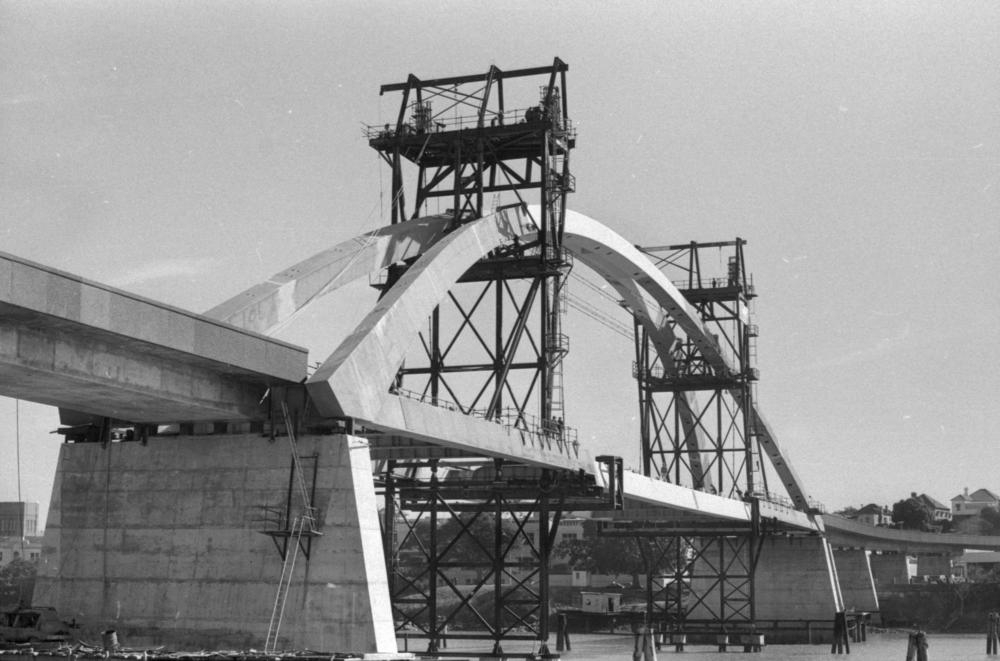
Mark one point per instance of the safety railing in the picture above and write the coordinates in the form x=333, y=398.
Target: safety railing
x=717, y=282
x=781, y=500
x=442, y=123
x=549, y=432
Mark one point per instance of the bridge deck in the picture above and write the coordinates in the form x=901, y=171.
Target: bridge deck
x=844, y=532
x=85, y=346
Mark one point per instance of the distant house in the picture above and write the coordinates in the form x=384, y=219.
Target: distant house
x=18, y=519
x=937, y=511
x=874, y=515
x=980, y=562
x=19, y=534
x=971, y=504
x=20, y=548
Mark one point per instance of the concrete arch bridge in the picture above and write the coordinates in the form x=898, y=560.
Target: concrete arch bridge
x=214, y=492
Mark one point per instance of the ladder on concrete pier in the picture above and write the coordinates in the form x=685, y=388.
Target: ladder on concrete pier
x=287, y=571
x=303, y=524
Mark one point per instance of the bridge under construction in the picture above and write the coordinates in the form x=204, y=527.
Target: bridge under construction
x=215, y=490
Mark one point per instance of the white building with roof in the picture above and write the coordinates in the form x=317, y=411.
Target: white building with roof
x=971, y=504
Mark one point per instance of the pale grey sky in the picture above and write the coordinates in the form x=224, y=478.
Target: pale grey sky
x=185, y=151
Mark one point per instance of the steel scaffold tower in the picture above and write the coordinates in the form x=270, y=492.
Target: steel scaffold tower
x=467, y=146
x=697, y=430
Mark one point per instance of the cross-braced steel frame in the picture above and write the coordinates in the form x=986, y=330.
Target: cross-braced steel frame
x=472, y=144
x=493, y=349
x=697, y=430
x=696, y=425
x=467, y=545
x=700, y=575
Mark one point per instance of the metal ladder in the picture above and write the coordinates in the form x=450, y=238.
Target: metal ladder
x=287, y=571
x=299, y=525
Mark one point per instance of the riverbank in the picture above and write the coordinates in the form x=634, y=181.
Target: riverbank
x=942, y=607
x=619, y=647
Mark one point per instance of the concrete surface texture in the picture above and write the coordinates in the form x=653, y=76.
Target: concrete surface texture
x=355, y=378
x=162, y=542
x=889, y=568
x=797, y=580
x=266, y=306
x=88, y=347
x=856, y=582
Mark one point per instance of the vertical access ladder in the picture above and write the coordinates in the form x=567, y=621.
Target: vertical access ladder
x=303, y=524
x=287, y=570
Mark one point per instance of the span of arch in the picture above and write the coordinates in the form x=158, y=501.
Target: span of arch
x=354, y=381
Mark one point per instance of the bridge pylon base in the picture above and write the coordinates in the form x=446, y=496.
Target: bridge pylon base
x=857, y=584
x=162, y=542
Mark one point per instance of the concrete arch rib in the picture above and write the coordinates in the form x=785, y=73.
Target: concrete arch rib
x=655, y=320
x=657, y=325
x=264, y=308
x=354, y=381
x=631, y=273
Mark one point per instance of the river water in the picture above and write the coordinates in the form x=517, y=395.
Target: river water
x=878, y=647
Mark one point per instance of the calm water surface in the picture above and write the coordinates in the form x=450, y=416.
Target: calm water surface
x=879, y=647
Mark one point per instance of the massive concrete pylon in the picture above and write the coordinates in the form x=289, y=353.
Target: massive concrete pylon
x=162, y=542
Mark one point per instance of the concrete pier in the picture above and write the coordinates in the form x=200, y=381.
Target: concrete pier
x=162, y=542
x=890, y=568
x=934, y=564
x=856, y=582
x=797, y=580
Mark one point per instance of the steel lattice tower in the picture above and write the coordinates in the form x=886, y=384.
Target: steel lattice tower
x=698, y=430
x=493, y=350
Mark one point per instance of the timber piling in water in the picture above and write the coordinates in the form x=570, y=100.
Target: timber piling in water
x=562, y=634
x=841, y=644
x=82, y=651
x=916, y=647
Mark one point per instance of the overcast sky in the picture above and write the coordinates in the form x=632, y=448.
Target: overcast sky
x=185, y=151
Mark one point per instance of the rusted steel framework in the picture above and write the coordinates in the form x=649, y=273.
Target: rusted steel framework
x=697, y=430
x=466, y=146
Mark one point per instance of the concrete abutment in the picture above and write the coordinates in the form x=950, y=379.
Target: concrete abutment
x=857, y=584
x=162, y=542
x=796, y=579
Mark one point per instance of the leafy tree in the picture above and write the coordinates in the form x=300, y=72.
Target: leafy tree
x=16, y=570
x=848, y=512
x=979, y=574
x=17, y=582
x=992, y=519
x=609, y=555
x=911, y=514
x=473, y=546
